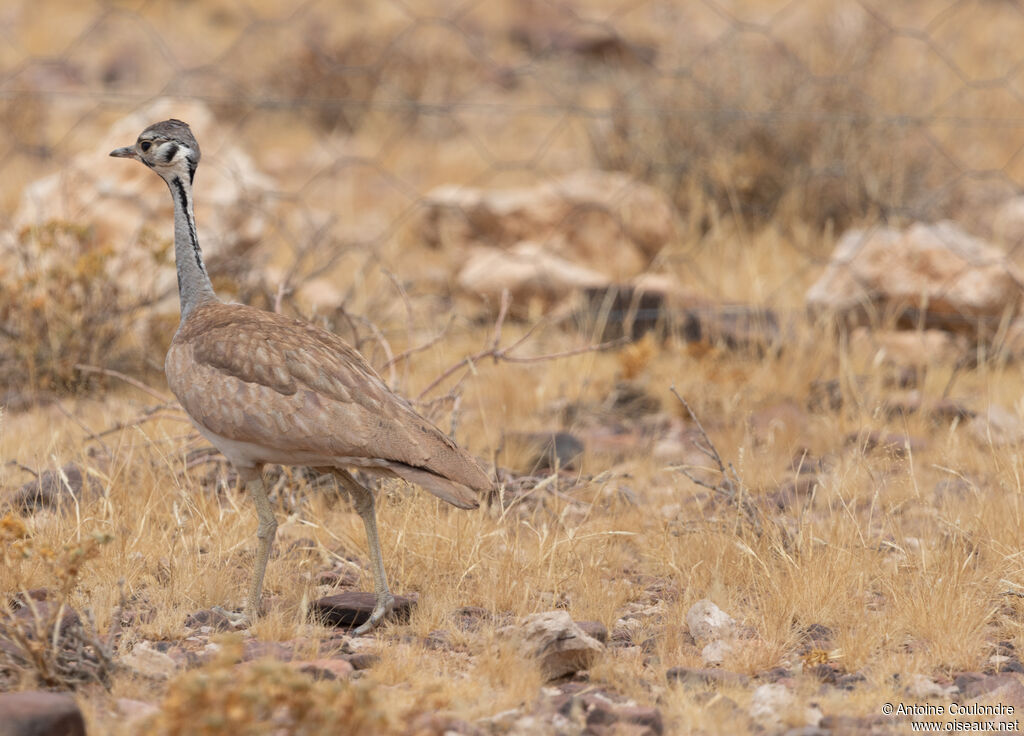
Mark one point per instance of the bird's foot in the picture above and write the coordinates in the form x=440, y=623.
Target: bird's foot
x=385, y=602
x=235, y=619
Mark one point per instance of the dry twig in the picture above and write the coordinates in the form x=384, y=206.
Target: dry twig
x=730, y=486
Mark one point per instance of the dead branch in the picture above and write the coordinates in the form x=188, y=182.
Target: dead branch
x=123, y=377
x=89, y=433
x=730, y=486
x=499, y=354
x=406, y=354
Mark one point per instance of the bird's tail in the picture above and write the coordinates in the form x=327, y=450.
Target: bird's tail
x=454, y=493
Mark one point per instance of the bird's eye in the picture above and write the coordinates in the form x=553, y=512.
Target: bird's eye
x=145, y=146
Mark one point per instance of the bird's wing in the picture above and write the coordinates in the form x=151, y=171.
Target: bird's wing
x=260, y=378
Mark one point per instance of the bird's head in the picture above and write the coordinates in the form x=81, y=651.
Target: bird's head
x=168, y=147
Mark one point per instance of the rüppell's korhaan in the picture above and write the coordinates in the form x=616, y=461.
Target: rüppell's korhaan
x=266, y=389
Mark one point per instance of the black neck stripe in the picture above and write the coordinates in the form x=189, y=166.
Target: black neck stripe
x=183, y=197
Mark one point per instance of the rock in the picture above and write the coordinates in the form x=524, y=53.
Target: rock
x=134, y=712
x=471, y=618
x=37, y=713
x=706, y=677
x=595, y=630
x=771, y=705
x=363, y=660
x=325, y=669
x=924, y=688
x=734, y=326
x=931, y=275
x=1005, y=688
x=707, y=622
x=528, y=272
x=553, y=638
x=55, y=489
x=253, y=649
x=607, y=220
x=29, y=617
x=601, y=711
x=908, y=347
x=715, y=652
x=544, y=31
x=998, y=427
x=438, y=639
x=214, y=620
x=546, y=450
x=649, y=304
x=352, y=608
x=144, y=660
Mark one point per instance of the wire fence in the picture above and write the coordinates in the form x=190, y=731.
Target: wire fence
x=368, y=152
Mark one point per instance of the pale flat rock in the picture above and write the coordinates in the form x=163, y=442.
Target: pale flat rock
x=606, y=220
x=923, y=687
x=707, y=622
x=527, y=271
x=146, y=661
x=135, y=712
x=771, y=705
x=556, y=641
x=955, y=278
x=998, y=427
x=325, y=668
x=715, y=652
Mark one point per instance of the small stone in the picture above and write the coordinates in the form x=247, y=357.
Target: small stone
x=353, y=608
x=37, y=713
x=145, y=660
x=215, y=620
x=924, y=687
x=1005, y=688
x=135, y=711
x=547, y=450
x=692, y=677
x=604, y=713
x=595, y=629
x=706, y=622
x=997, y=427
x=560, y=646
x=438, y=639
x=715, y=653
x=769, y=705
x=471, y=618
x=55, y=489
x=325, y=669
x=363, y=660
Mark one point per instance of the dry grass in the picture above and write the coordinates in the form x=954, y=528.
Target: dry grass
x=904, y=554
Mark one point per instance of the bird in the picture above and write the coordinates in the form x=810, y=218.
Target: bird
x=266, y=389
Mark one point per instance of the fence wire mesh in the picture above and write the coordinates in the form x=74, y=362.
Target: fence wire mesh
x=768, y=128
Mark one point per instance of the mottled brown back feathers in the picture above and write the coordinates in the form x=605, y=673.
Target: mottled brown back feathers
x=259, y=378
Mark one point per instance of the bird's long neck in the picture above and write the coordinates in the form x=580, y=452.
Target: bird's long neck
x=194, y=287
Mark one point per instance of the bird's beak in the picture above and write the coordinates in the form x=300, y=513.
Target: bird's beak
x=126, y=152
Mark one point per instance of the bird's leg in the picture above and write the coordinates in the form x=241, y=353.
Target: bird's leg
x=265, y=534
x=362, y=499
x=252, y=478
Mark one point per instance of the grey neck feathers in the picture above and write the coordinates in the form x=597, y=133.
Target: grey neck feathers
x=194, y=287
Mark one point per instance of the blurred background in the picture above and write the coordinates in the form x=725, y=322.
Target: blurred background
x=385, y=165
